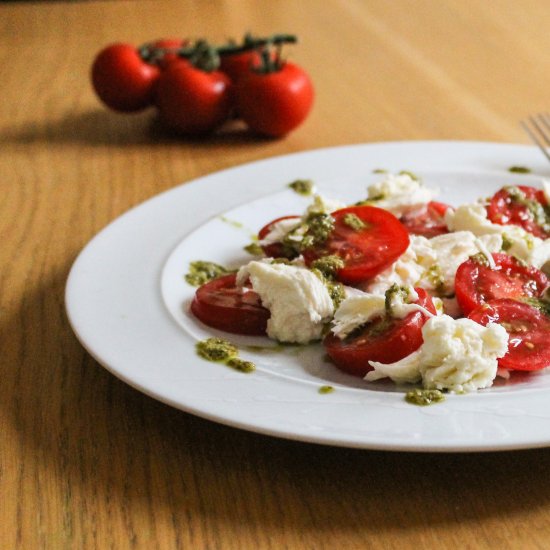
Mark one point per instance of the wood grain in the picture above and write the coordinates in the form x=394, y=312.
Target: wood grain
x=88, y=462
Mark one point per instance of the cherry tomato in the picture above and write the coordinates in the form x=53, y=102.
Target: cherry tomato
x=367, y=251
x=122, y=79
x=274, y=250
x=428, y=221
x=528, y=329
x=476, y=283
x=274, y=103
x=383, y=340
x=239, y=65
x=171, y=45
x=193, y=101
x=504, y=209
x=220, y=304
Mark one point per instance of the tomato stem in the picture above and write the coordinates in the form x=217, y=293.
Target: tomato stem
x=253, y=43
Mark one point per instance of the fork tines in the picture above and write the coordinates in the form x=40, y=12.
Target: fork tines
x=538, y=129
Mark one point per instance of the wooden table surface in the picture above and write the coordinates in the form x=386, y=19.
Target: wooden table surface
x=88, y=462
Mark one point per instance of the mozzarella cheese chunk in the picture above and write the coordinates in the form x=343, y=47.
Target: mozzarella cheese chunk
x=298, y=301
x=432, y=263
x=458, y=355
x=517, y=242
x=357, y=310
x=409, y=269
x=399, y=194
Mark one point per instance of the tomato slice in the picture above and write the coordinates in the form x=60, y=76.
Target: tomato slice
x=367, y=251
x=383, y=340
x=528, y=329
x=274, y=250
x=476, y=283
x=505, y=210
x=221, y=304
x=428, y=221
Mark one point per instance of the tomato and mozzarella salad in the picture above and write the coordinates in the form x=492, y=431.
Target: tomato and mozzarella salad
x=401, y=286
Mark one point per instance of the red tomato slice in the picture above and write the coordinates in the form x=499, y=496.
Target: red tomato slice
x=382, y=340
x=366, y=252
x=476, y=283
x=528, y=329
x=220, y=304
x=504, y=210
x=427, y=221
x=274, y=250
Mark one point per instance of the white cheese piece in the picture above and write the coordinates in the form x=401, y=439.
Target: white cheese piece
x=432, y=263
x=409, y=268
x=519, y=243
x=399, y=194
x=458, y=355
x=357, y=310
x=298, y=301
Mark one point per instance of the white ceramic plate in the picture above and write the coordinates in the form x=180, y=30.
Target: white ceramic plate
x=127, y=302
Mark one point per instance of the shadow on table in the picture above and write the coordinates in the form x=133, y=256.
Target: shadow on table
x=102, y=127
x=107, y=448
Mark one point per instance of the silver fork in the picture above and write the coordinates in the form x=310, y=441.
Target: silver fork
x=538, y=129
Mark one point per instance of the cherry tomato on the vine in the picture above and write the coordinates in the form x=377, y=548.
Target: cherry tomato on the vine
x=238, y=65
x=122, y=79
x=170, y=47
x=193, y=101
x=274, y=103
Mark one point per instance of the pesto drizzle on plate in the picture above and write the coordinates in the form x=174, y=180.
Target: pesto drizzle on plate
x=201, y=272
x=220, y=350
x=424, y=397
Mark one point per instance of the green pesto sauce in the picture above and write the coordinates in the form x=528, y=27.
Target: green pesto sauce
x=354, y=221
x=328, y=265
x=411, y=175
x=222, y=351
x=424, y=397
x=506, y=243
x=201, y=272
x=519, y=170
x=216, y=349
x=241, y=365
x=233, y=223
x=480, y=259
x=302, y=187
x=326, y=389
x=334, y=288
x=394, y=290
x=318, y=227
x=254, y=249
x=435, y=276
x=379, y=171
